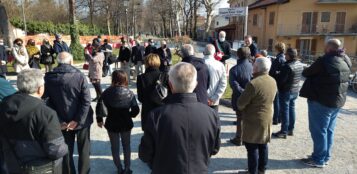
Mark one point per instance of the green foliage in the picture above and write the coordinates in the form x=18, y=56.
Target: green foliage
x=36, y=27
x=76, y=47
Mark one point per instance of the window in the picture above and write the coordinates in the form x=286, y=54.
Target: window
x=255, y=19
x=340, y=22
x=271, y=18
x=217, y=23
x=270, y=45
x=309, y=22
x=325, y=17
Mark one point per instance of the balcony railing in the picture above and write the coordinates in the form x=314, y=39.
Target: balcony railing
x=320, y=29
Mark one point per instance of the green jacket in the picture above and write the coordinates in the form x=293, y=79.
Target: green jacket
x=256, y=106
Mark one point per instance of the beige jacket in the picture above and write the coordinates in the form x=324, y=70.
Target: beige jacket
x=96, y=66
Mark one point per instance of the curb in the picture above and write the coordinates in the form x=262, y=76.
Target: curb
x=226, y=103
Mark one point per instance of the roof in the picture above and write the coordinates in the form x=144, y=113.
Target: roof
x=227, y=27
x=265, y=3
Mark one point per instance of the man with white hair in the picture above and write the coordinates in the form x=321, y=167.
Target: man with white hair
x=187, y=53
x=218, y=78
x=31, y=138
x=223, y=48
x=256, y=107
x=67, y=91
x=165, y=56
x=182, y=135
x=325, y=88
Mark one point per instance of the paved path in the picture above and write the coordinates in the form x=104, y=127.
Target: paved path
x=284, y=155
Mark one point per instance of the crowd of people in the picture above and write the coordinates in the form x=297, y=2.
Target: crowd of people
x=41, y=120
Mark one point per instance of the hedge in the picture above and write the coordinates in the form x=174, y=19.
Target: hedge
x=36, y=27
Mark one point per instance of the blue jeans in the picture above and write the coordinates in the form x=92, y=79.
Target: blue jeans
x=287, y=111
x=257, y=157
x=322, y=122
x=276, y=116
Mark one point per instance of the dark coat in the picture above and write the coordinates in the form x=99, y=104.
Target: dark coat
x=150, y=49
x=60, y=47
x=327, y=80
x=3, y=57
x=276, y=65
x=165, y=59
x=226, y=48
x=145, y=84
x=124, y=54
x=47, y=54
x=67, y=92
x=289, y=78
x=180, y=137
x=107, y=55
x=122, y=107
x=138, y=53
x=239, y=76
x=253, y=49
x=33, y=131
x=202, y=78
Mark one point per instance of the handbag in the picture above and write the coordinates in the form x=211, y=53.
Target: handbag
x=160, y=91
x=86, y=66
x=101, y=110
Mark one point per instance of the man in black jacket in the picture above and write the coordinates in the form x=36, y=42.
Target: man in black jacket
x=67, y=92
x=188, y=52
x=124, y=58
x=182, y=135
x=223, y=48
x=249, y=43
x=150, y=48
x=3, y=59
x=165, y=57
x=137, y=56
x=30, y=131
x=325, y=88
x=288, y=82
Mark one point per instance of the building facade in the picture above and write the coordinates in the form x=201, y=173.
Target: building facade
x=304, y=24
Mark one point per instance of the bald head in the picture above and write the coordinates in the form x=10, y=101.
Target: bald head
x=65, y=58
x=210, y=50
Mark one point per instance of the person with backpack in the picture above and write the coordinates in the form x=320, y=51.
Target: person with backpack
x=146, y=85
x=31, y=137
x=121, y=106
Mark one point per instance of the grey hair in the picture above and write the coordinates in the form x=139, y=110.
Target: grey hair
x=210, y=49
x=263, y=64
x=187, y=50
x=264, y=53
x=223, y=33
x=183, y=77
x=64, y=58
x=336, y=43
x=29, y=80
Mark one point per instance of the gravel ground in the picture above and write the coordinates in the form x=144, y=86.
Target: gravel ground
x=284, y=155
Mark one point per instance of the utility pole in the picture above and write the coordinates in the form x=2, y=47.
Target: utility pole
x=23, y=16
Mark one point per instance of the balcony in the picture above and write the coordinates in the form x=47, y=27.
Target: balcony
x=336, y=1
x=315, y=30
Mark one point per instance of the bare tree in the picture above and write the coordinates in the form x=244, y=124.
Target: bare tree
x=209, y=5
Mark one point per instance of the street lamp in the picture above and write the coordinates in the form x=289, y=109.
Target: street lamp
x=126, y=4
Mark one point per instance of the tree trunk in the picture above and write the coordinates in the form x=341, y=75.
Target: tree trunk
x=208, y=23
x=76, y=47
x=195, y=11
x=91, y=12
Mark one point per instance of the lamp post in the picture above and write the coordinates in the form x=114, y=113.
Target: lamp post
x=126, y=3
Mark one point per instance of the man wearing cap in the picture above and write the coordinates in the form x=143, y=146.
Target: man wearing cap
x=59, y=45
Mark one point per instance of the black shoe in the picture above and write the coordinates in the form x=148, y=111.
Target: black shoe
x=291, y=133
x=312, y=163
x=280, y=135
x=236, y=141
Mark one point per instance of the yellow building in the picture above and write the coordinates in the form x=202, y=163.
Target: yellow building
x=304, y=24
